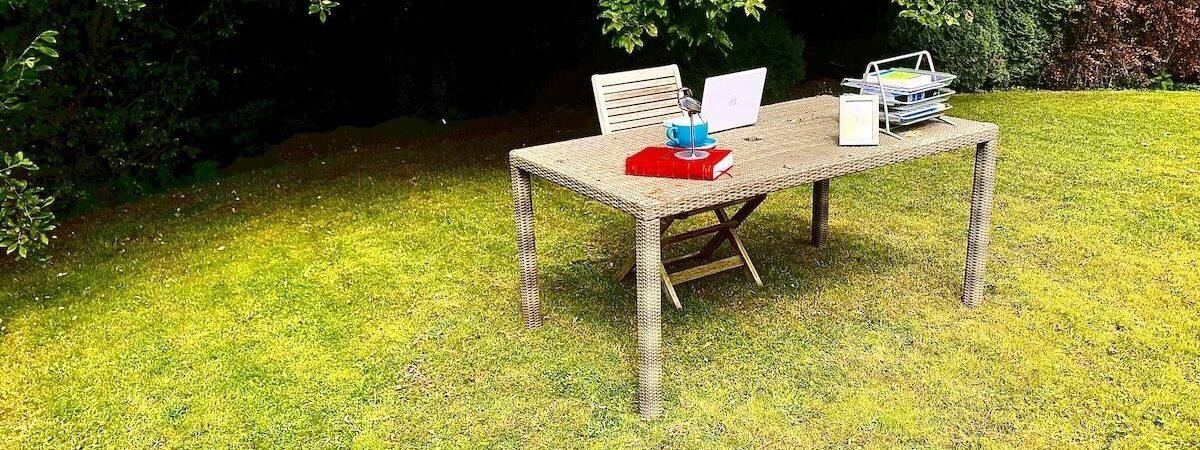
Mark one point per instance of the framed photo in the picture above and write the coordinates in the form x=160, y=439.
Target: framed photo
x=858, y=120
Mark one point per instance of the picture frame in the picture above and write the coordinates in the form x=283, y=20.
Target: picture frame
x=858, y=120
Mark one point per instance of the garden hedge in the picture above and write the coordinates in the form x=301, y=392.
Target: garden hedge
x=1005, y=45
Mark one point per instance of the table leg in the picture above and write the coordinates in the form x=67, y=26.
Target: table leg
x=981, y=217
x=531, y=308
x=820, y=213
x=648, y=243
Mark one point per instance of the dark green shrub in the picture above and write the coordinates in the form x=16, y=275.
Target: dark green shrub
x=769, y=44
x=128, y=103
x=1007, y=43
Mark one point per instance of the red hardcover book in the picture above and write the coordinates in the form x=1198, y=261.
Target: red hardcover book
x=661, y=162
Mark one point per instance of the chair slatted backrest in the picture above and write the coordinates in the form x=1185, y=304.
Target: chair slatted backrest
x=636, y=98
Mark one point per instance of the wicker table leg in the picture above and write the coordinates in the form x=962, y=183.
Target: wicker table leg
x=649, y=318
x=531, y=308
x=981, y=217
x=820, y=213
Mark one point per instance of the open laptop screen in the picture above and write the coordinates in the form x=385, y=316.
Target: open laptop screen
x=732, y=100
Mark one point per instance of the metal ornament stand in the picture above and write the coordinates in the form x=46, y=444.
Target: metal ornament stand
x=692, y=107
x=883, y=93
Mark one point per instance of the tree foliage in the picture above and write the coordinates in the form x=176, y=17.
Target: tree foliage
x=934, y=13
x=25, y=216
x=691, y=23
x=703, y=23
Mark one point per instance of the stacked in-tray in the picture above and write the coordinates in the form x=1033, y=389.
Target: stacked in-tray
x=907, y=96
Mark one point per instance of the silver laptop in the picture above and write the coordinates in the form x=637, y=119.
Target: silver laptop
x=732, y=100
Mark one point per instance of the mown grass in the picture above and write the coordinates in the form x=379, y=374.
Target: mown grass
x=369, y=299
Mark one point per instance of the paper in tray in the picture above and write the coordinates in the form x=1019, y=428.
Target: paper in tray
x=925, y=110
x=909, y=119
x=895, y=97
x=939, y=95
x=909, y=80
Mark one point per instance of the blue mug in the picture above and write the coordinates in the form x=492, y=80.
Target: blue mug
x=680, y=131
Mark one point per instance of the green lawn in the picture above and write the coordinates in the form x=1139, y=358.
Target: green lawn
x=368, y=298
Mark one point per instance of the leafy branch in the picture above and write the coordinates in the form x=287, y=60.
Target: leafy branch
x=322, y=8
x=22, y=70
x=934, y=13
x=691, y=23
x=25, y=217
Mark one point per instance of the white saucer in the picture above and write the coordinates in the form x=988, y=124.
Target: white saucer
x=710, y=143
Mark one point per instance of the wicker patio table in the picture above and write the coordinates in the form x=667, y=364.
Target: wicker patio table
x=794, y=143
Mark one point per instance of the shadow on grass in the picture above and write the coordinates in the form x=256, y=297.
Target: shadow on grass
x=790, y=267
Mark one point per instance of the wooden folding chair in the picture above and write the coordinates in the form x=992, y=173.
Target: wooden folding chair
x=648, y=97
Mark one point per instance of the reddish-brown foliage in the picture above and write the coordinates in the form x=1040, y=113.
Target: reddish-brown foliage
x=1126, y=42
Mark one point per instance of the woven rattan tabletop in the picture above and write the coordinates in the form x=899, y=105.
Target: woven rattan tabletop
x=793, y=143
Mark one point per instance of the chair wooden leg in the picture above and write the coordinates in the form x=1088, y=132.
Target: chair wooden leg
x=738, y=217
x=715, y=242
x=736, y=242
x=626, y=269
x=668, y=286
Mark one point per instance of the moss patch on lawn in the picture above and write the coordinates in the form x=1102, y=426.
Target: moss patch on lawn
x=369, y=298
